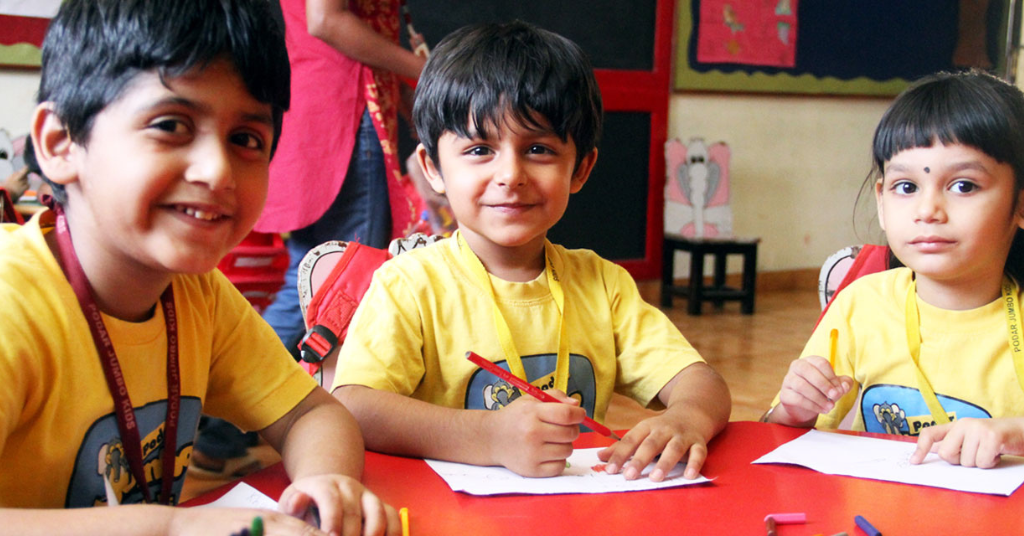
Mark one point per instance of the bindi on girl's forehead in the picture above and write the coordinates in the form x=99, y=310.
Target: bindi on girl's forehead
x=927, y=169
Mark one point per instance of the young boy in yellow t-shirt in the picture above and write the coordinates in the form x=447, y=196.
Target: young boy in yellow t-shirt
x=509, y=117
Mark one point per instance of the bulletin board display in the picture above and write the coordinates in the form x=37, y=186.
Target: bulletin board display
x=23, y=25
x=853, y=47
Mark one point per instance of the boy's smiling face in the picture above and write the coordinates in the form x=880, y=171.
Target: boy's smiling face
x=506, y=191
x=173, y=174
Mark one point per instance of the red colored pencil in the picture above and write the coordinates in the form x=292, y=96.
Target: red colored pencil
x=534, y=391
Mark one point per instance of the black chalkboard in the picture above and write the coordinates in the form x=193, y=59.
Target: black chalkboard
x=608, y=214
x=616, y=34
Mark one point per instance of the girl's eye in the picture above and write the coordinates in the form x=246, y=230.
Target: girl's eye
x=963, y=187
x=478, y=150
x=904, y=187
x=539, y=149
x=247, y=140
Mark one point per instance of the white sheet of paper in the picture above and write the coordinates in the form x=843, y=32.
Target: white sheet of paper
x=244, y=496
x=579, y=477
x=882, y=459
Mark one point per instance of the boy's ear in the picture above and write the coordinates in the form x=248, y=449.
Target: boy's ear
x=53, y=145
x=582, y=173
x=878, y=203
x=430, y=170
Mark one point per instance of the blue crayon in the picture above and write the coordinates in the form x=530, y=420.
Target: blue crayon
x=868, y=528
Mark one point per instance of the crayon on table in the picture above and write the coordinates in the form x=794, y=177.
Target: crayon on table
x=794, y=518
x=867, y=527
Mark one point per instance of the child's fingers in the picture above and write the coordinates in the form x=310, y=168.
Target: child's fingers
x=650, y=447
x=561, y=414
x=811, y=384
x=550, y=468
x=698, y=453
x=988, y=455
x=377, y=516
x=825, y=379
x=562, y=397
x=671, y=455
x=615, y=456
x=948, y=447
x=927, y=440
x=294, y=502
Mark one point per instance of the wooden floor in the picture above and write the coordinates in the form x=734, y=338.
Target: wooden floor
x=751, y=352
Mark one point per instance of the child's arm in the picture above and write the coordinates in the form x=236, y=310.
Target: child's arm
x=331, y=22
x=972, y=442
x=322, y=450
x=698, y=406
x=528, y=437
x=810, y=388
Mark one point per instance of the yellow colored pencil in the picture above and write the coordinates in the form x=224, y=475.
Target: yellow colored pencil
x=403, y=514
x=833, y=343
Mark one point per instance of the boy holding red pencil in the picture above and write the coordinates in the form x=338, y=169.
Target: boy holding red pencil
x=509, y=117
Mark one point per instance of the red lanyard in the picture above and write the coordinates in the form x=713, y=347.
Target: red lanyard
x=123, y=408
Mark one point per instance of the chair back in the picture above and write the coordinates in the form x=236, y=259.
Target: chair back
x=846, y=265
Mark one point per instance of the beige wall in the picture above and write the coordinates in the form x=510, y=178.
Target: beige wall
x=797, y=164
x=17, y=99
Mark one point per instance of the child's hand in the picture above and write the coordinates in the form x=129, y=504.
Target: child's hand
x=972, y=442
x=533, y=438
x=810, y=388
x=345, y=507
x=649, y=438
x=229, y=521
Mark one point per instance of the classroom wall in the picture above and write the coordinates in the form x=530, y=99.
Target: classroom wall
x=17, y=99
x=797, y=164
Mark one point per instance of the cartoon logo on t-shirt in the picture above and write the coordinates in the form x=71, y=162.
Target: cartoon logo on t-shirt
x=487, y=391
x=102, y=471
x=901, y=410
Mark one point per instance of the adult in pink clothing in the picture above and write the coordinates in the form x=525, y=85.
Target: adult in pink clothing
x=335, y=175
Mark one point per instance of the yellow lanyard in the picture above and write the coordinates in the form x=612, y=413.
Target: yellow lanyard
x=515, y=363
x=913, y=321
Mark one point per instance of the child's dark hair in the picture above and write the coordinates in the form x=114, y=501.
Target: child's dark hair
x=94, y=48
x=969, y=108
x=481, y=72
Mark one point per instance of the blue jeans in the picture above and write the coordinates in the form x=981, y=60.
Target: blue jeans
x=361, y=213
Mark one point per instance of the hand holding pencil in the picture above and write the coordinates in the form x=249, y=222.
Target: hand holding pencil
x=811, y=387
x=533, y=435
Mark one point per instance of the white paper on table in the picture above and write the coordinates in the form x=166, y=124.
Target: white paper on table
x=580, y=477
x=883, y=459
x=244, y=496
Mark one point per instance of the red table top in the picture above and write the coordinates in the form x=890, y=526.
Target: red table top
x=734, y=503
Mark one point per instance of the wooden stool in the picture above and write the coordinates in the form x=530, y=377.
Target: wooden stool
x=696, y=292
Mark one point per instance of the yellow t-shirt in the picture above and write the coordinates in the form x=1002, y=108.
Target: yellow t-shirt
x=424, y=311
x=964, y=354
x=58, y=431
